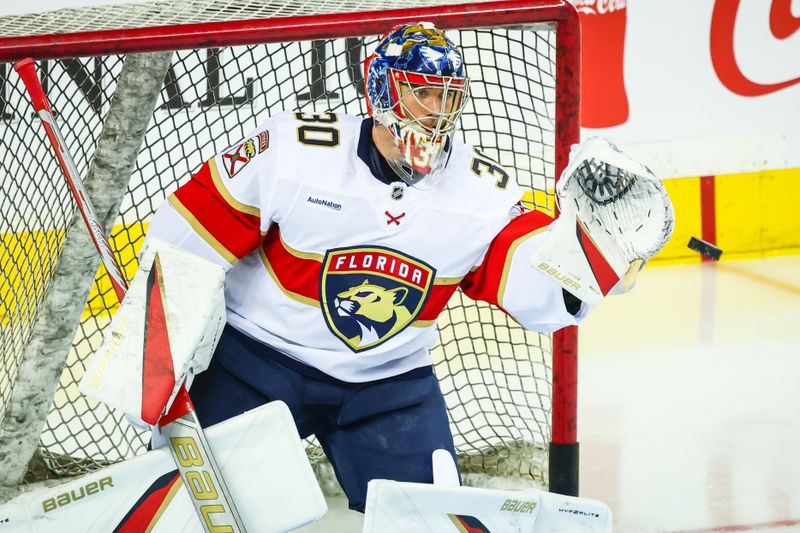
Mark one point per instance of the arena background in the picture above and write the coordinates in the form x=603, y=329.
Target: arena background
x=706, y=93
x=688, y=394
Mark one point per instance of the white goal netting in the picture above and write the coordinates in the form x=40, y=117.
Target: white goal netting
x=496, y=377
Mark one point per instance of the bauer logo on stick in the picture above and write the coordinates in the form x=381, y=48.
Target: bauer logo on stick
x=370, y=294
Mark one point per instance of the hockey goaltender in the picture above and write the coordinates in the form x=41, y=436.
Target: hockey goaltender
x=327, y=245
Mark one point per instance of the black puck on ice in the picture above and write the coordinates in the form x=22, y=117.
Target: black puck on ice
x=705, y=248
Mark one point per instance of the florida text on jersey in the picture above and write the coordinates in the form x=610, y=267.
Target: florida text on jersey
x=343, y=272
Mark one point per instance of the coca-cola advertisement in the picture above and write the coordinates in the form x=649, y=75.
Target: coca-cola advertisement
x=691, y=87
x=694, y=88
x=604, y=101
x=730, y=61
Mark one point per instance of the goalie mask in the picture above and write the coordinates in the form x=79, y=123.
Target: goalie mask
x=417, y=88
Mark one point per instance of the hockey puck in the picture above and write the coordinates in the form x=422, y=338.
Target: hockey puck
x=705, y=248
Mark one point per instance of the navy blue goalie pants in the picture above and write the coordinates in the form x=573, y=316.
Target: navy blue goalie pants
x=384, y=429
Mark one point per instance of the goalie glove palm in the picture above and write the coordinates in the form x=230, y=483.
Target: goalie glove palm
x=615, y=215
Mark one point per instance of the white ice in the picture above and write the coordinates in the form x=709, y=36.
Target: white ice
x=689, y=402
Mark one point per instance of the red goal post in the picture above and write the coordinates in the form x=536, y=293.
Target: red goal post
x=518, y=15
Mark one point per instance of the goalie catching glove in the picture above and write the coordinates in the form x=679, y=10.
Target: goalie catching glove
x=615, y=215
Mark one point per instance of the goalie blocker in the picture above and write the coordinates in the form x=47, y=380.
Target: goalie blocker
x=163, y=334
x=615, y=215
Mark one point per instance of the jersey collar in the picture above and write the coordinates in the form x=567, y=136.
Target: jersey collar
x=369, y=154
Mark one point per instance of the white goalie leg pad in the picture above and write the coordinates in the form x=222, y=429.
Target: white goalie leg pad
x=615, y=215
x=164, y=332
x=395, y=507
x=445, y=470
x=263, y=462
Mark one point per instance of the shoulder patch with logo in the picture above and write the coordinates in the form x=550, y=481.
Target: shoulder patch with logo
x=239, y=155
x=370, y=294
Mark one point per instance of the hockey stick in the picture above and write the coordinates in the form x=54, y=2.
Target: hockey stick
x=180, y=426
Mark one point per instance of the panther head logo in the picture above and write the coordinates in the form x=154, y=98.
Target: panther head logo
x=370, y=294
x=249, y=148
x=377, y=310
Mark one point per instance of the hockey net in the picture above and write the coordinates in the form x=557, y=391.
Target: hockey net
x=496, y=377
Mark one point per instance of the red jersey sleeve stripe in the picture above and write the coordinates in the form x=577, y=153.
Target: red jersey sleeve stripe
x=200, y=230
x=231, y=232
x=219, y=186
x=295, y=273
x=488, y=281
x=440, y=294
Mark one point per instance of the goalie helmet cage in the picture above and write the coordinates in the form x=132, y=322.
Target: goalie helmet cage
x=224, y=66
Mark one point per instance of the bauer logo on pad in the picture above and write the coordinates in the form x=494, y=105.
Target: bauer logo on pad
x=370, y=294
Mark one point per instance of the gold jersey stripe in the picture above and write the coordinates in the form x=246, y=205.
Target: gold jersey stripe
x=226, y=194
x=501, y=289
x=293, y=295
x=302, y=255
x=447, y=281
x=201, y=230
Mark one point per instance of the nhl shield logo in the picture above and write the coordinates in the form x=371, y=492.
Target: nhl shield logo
x=370, y=294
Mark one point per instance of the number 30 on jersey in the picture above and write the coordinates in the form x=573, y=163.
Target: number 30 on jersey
x=314, y=132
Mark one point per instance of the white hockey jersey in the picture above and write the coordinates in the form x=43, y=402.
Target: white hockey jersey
x=343, y=272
